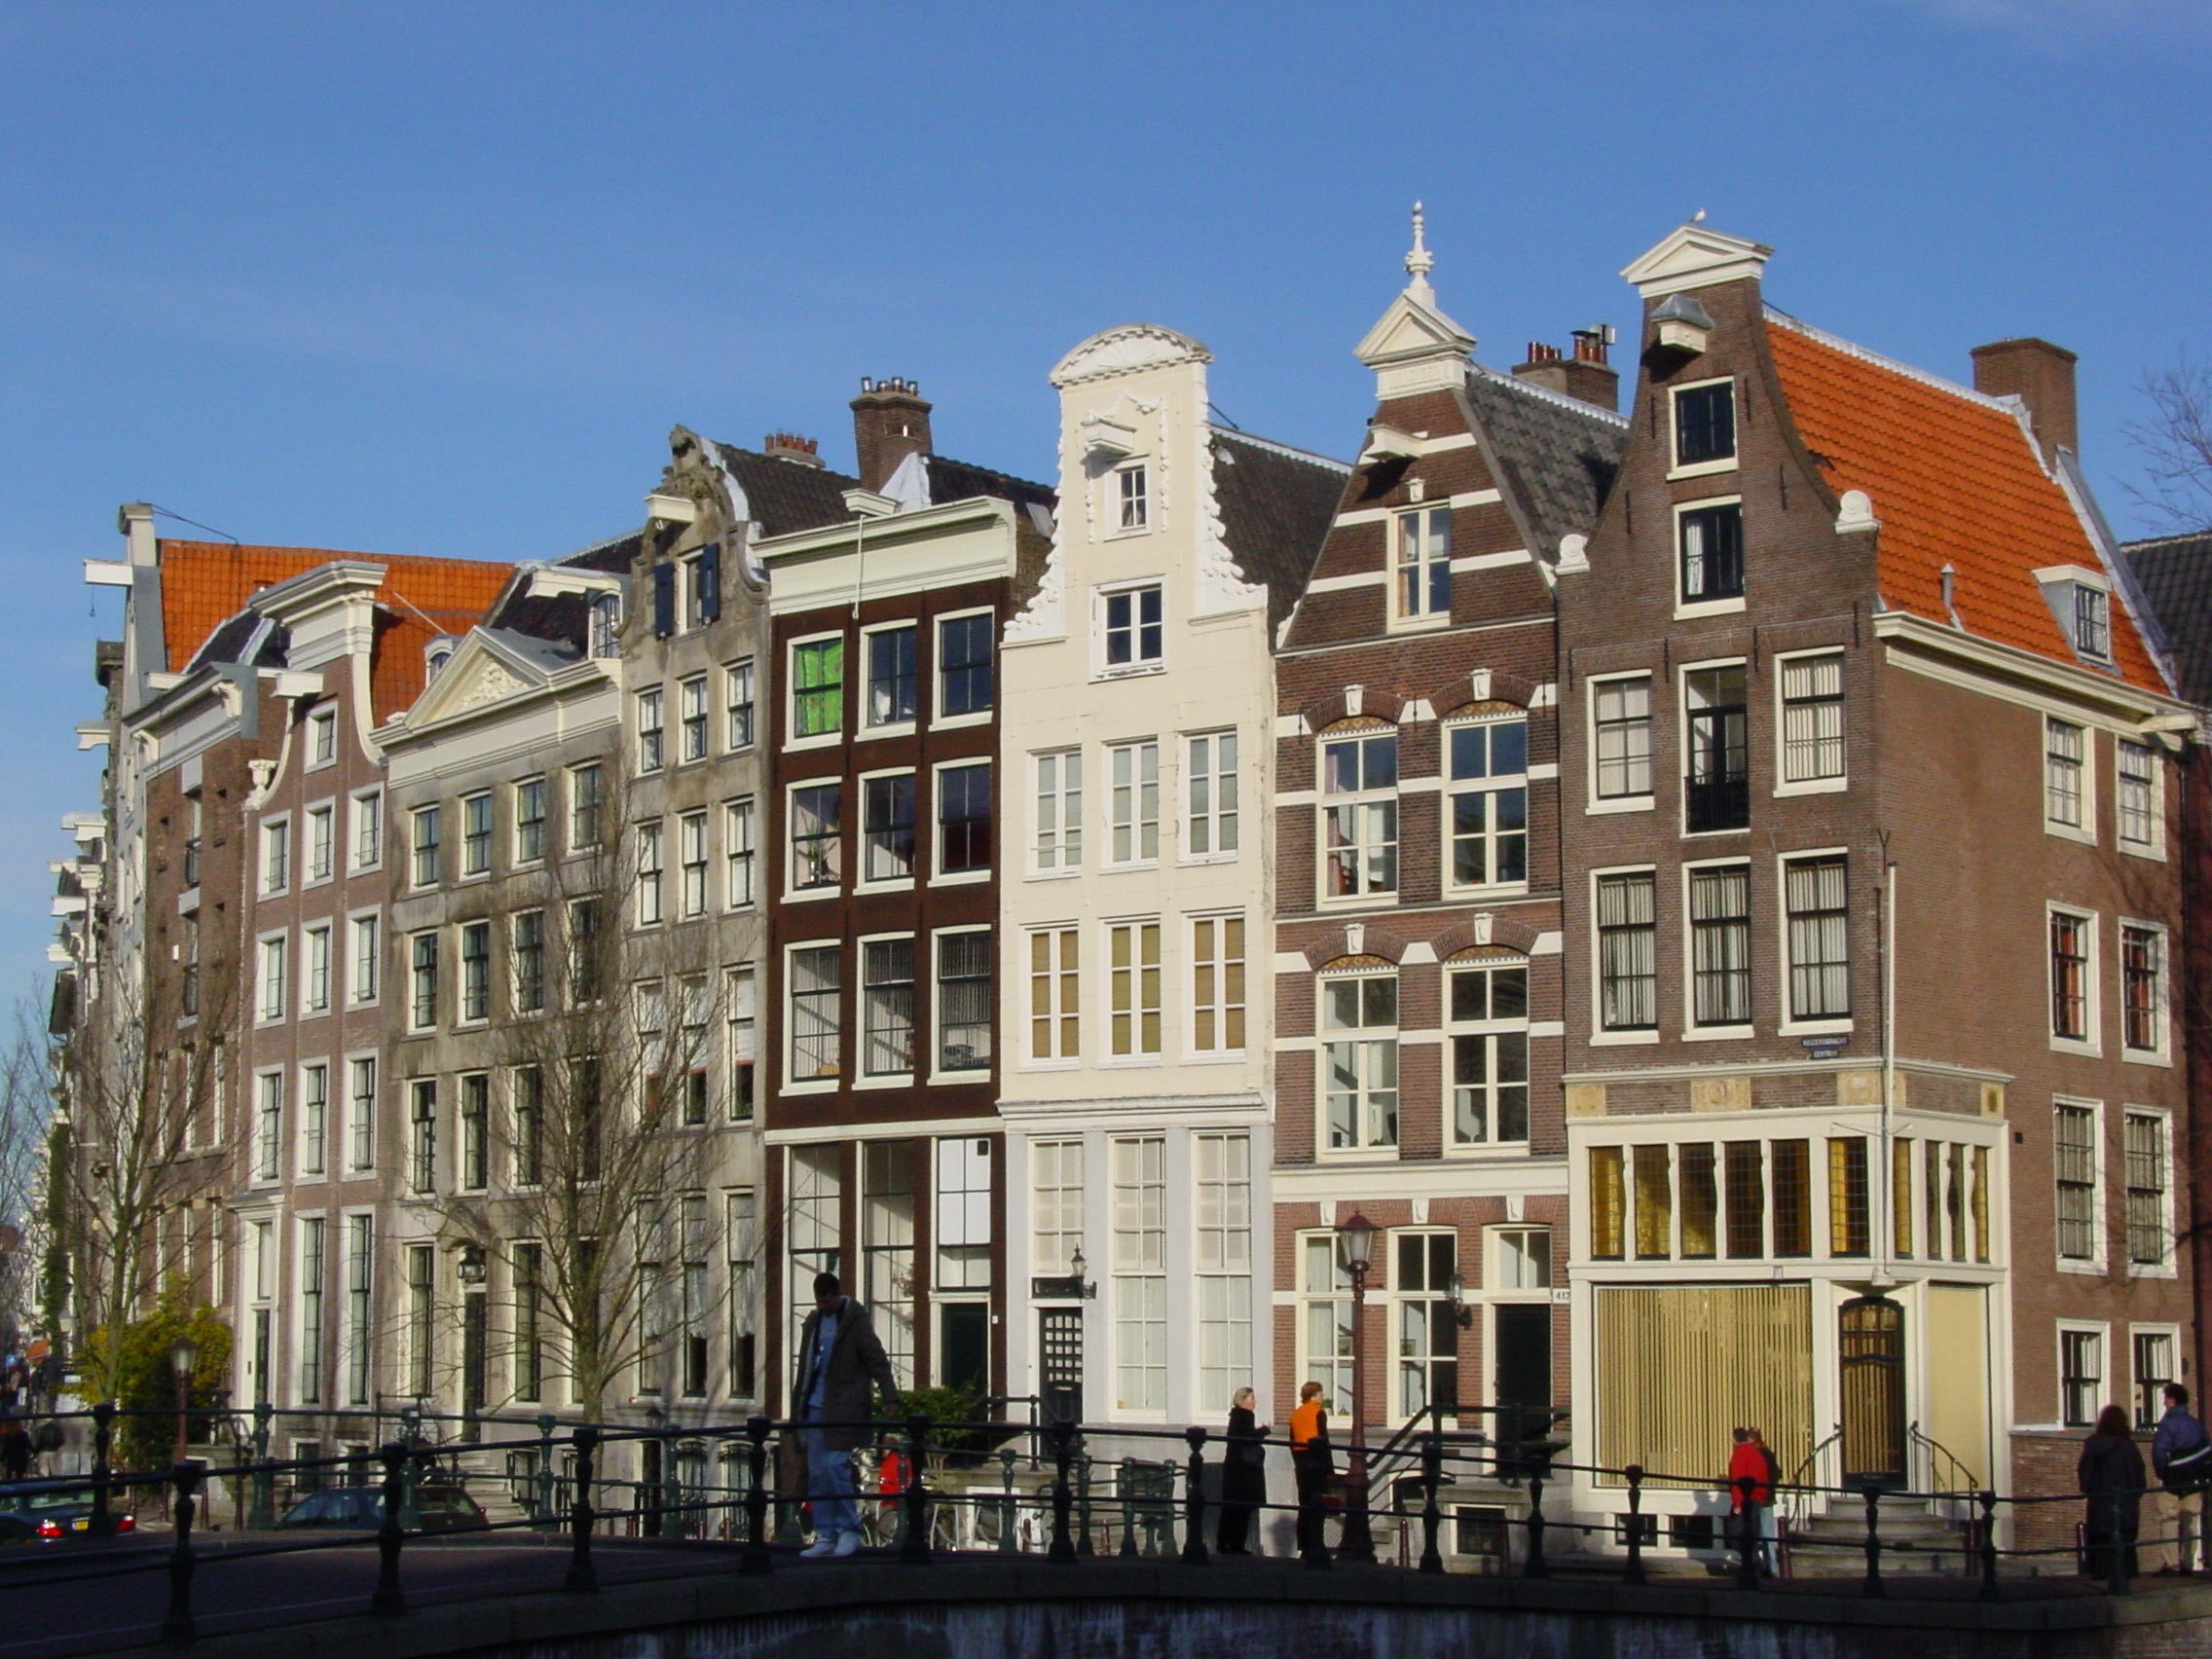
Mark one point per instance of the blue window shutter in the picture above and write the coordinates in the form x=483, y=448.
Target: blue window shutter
x=709, y=581
x=664, y=601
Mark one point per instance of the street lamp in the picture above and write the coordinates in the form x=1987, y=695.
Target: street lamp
x=184, y=1357
x=1357, y=1235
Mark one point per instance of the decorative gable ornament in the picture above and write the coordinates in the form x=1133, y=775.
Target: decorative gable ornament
x=1384, y=442
x=1679, y=327
x=1103, y=436
x=1695, y=257
x=1129, y=349
x=1415, y=346
x=1856, y=512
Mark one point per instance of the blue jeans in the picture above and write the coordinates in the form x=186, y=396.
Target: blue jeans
x=829, y=1485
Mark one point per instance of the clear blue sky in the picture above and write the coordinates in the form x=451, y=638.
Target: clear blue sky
x=438, y=279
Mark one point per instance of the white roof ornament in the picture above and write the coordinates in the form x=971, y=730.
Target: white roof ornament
x=1418, y=260
x=1695, y=257
x=1415, y=346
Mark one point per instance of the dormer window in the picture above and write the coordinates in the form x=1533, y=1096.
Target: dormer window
x=606, y=624
x=2092, y=622
x=436, y=655
x=2081, y=603
x=1132, y=499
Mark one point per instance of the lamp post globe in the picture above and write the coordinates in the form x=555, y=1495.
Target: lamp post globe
x=184, y=1359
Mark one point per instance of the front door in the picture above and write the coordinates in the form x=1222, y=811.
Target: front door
x=1522, y=1379
x=1059, y=1350
x=1870, y=1342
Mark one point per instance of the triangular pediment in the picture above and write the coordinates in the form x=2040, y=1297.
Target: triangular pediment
x=1413, y=328
x=1127, y=349
x=479, y=672
x=1696, y=256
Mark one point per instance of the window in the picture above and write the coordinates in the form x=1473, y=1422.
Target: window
x=2093, y=621
x=275, y=979
x=1132, y=972
x=1134, y=805
x=1057, y=1208
x=527, y=962
x=2154, y=1370
x=1792, y=1167
x=528, y=1093
x=651, y=894
x=2063, y=767
x=737, y=853
x=315, y=989
x=1132, y=501
x=1139, y=1268
x=1608, y=1207
x=361, y=1113
x=817, y=838
x=1814, y=895
x=651, y=730
x=738, y=991
x=1718, y=793
x=691, y=713
x=1425, y=1278
x=530, y=1320
x=1490, y=803
x=422, y=871
x=1812, y=719
x=1701, y=1200
x=963, y=1213
x=529, y=820
x=1055, y=1027
x=1213, y=779
x=1744, y=1171
x=741, y=1239
x=1224, y=1215
x=2142, y=988
x=422, y=1135
x=423, y=971
x=1425, y=562
x=2136, y=768
x=606, y=625
x=1628, y=959
x=1360, y=1022
x=1324, y=1317
x=322, y=737
x=1711, y=553
x=315, y=1120
x=963, y=1002
x=2148, y=1229
x=1621, y=717
x=475, y=1132
x=277, y=855
x=887, y=1007
x=891, y=676
x=476, y=971
x=475, y=834
x=1705, y=423
x=1060, y=810
x=1652, y=1176
x=692, y=1311
x=1217, y=984
x=737, y=704
x=1133, y=632
x=368, y=829
x=1849, y=1229
x=2071, y=956
x=360, y=1265
x=585, y=974
x=2081, y=1375
x=817, y=985
x=962, y=666
x=818, y=688
x=267, y=1126
x=963, y=819
x=1359, y=812
x=322, y=842
x=421, y=1319
x=692, y=865
x=1721, y=944
x=587, y=803
x=1488, y=1015
x=310, y=1310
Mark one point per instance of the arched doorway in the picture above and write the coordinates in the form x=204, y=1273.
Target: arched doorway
x=1870, y=1344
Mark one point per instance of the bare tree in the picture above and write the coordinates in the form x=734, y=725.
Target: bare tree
x=2175, y=443
x=27, y=1111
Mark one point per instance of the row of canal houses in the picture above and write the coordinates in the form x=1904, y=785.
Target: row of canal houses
x=1676, y=918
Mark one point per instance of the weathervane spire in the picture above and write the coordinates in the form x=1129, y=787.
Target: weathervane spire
x=1418, y=260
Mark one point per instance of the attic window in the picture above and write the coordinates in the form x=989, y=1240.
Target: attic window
x=2092, y=622
x=606, y=624
x=2081, y=603
x=436, y=655
x=1134, y=500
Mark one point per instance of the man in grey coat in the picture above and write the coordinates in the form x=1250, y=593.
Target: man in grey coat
x=840, y=1366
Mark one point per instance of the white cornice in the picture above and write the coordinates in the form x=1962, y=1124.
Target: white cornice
x=1695, y=257
x=2021, y=675
x=1129, y=349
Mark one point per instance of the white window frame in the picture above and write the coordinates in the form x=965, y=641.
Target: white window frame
x=1222, y=1202
x=365, y=829
x=1211, y=971
x=1692, y=1031
x=2155, y=846
x=922, y=848
x=1676, y=467
x=940, y=876
x=2168, y=1267
x=650, y=904
x=938, y=1072
x=918, y=973
x=322, y=733
x=1218, y=821
x=268, y=1131
x=275, y=873
x=1126, y=1275
x=321, y=837
x=741, y=852
x=939, y=719
x=1056, y=848
x=317, y=998
x=1684, y=606
x=546, y=958
x=1397, y=1295
x=481, y=927
x=693, y=885
x=648, y=713
x=1100, y=597
x=869, y=726
x=846, y=691
x=2086, y=830
x=1783, y=662
x=2100, y=1188
x=467, y=803
x=690, y=689
x=2092, y=991
x=1421, y=521
x=313, y=1143
x=1601, y=1034
x=1362, y=895
x=360, y=1124
x=1136, y=1053
x=847, y=983
x=1334, y=1370
x=433, y=813
x=1493, y=1145
x=1064, y=958
x=1493, y=784
x=413, y=978
x=273, y=988
x=1129, y=512
x=794, y=892
x=741, y=690
x=1595, y=688
x=1135, y=824
x=1825, y=1024
x=364, y=927
x=2102, y=1330
x=2161, y=1014
x=1369, y=1091
x=2171, y=1333
x=574, y=806
x=520, y=859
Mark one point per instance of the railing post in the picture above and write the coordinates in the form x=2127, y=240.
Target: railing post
x=177, y=1626
x=1195, y=1500
x=101, y=1523
x=1431, y=1477
x=1063, y=1546
x=1873, y=1585
x=2116, y=1561
x=1083, y=1544
x=1010, y=1510
x=389, y=1597
x=264, y=1482
x=1128, y=1507
x=757, y=1557
x=1634, y=1570
x=544, y=1509
x=915, y=1545
x=1535, y=1567
x=1747, y=1533
x=1988, y=1501
x=581, y=1578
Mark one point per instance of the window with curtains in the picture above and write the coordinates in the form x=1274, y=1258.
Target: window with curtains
x=964, y=1000
x=1217, y=984
x=314, y=981
x=741, y=1016
x=1816, y=896
x=1712, y=552
x=1132, y=499
x=2071, y=957
x=1133, y=803
x=274, y=977
x=1138, y=1268
x=1628, y=951
x=1487, y=1021
x=1620, y=723
x=2064, y=766
x=1721, y=944
x=1359, y=814
x=892, y=695
x=887, y=1249
x=322, y=837
x=1060, y=810
x=2081, y=1375
x=1360, y=1029
x=1849, y=1226
x=1488, y=810
x=2135, y=771
x=1698, y=1181
x=818, y=688
x=2093, y=621
x=1653, y=1185
x=741, y=1244
x=1812, y=719
x=1055, y=1030
x=817, y=986
x=1132, y=975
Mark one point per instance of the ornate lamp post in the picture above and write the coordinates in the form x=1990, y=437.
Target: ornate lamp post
x=1357, y=1542
x=184, y=1356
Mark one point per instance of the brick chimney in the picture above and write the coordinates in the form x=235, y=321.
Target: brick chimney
x=1586, y=375
x=2040, y=375
x=790, y=447
x=890, y=422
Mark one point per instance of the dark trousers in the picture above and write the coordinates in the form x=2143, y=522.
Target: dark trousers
x=1312, y=1481
x=1236, y=1533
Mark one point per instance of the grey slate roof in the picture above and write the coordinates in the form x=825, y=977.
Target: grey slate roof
x=786, y=496
x=958, y=481
x=563, y=618
x=1277, y=505
x=246, y=637
x=2175, y=575
x=1559, y=455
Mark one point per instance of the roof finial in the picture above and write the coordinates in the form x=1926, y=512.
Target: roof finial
x=1418, y=260
x=1698, y=217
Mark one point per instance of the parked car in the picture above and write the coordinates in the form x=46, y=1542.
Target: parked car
x=438, y=1508
x=53, y=1510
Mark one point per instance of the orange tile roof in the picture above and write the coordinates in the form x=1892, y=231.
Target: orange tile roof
x=206, y=582
x=1954, y=480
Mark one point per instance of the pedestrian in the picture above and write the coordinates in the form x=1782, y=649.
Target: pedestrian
x=2181, y=1457
x=2111, y=1476
x=1753, y=1505
x=1311, y=1459
x=1243, y=1475
x=15, y=1450
x=839, y=1359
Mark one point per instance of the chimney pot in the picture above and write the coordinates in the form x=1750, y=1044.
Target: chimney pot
x=2040, y=375
x=1589, y=379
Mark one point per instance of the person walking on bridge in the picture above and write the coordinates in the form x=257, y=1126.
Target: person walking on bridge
x=839, y=1359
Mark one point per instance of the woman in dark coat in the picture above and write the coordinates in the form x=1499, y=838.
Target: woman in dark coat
x=2111, y=1473
x=1243, y=1475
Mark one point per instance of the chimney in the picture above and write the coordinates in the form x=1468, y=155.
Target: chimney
x=890, y=422
x=790, y=447
x=1586, y=375
x=2040, y=375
